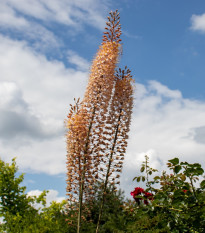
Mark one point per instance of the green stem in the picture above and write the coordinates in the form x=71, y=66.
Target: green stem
x=169, y=208
x=107, y=175
x=146, y=169
x=192, y=185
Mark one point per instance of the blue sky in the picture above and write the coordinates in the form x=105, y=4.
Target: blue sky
x=46, y=48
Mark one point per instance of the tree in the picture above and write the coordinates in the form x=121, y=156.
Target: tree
x=13, y=198
x=17, y=208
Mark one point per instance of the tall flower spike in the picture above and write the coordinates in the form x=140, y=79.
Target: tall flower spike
x=99, y=90
x=97, y=127
x=86, y=121
x=118, y=123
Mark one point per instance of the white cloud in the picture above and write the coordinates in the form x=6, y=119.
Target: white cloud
x=11, y=97
x=51, y=196
x=164, y=125
x=71, y=13
x=131, y=36
x=78, y=61
x=42, y=38
x=199, y=134
x=163, y=91
x=8, y=17
x=39, y=78
x=32, y=20
x=35, y=95
x=198, y=23
x=16, y=118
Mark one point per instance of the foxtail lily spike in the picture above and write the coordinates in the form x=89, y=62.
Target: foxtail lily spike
x=116, y=131
x=97, y=127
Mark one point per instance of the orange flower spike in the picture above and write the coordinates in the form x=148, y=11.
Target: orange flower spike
x=87, y=141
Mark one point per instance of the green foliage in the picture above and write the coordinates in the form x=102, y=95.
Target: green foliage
x=13, y=197
x=147, y=170
x=17, y=208
x=178, y=204
x=114, y=217
x=20, y=215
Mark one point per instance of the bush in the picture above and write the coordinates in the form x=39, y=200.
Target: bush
x=17, y=208
x=177, y=205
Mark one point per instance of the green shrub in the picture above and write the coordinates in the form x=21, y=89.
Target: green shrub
x=177, y=204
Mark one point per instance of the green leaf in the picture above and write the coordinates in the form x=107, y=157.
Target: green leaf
x=174, y=161
x=143, y=178
x=142, y=169
x=154, y=170
x=199, y=171
x=134, y=178
x=202, y=185
x=184, y=163
x=138, y=179
x=183, y=177
x=177, y=169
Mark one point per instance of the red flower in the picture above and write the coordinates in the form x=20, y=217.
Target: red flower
x=137, y=191
x=184, y=190
x=149, y=196
x=140, y=191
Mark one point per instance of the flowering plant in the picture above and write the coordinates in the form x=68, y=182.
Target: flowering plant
x=176, y=205
x=139, y=194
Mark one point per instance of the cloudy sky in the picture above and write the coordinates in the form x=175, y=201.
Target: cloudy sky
x=46, y=48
